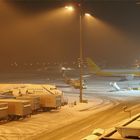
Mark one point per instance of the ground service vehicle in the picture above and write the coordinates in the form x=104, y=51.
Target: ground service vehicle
x=17, y=108
x=34, y=101
x=95, y=134
x=76, y=84
x=3, y=111
x=48, y=101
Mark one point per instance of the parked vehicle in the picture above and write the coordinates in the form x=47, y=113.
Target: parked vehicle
x=3, y=111
x=17, y=108
x=34, y=101
x=95, y=134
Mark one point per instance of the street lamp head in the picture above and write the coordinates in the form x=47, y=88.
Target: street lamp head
x=87, y=14
x=70, y=8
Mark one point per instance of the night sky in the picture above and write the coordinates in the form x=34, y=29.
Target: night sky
x=40, y=31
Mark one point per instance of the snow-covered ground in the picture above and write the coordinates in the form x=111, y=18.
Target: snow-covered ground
x=49, y=121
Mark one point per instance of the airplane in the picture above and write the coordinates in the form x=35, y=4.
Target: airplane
x=125, y=73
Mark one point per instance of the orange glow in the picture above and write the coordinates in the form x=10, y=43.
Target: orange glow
x=87, y=14
x=70, y=8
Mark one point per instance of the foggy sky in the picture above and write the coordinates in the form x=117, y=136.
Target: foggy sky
x=33, y=30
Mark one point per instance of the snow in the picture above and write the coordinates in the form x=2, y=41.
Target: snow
x=48, y=121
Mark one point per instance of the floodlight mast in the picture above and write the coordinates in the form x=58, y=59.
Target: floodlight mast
x=81, y=56
x=81, y=14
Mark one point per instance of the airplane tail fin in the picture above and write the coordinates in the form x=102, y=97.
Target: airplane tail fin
x=93, y=68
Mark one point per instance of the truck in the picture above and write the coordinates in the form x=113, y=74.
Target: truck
x=48, y=101
x=76, y=84
x=17, y=108
x=34, y=101
x=3, y=111
x=50, y=96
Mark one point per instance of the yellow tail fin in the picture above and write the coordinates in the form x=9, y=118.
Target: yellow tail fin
x=93, y=68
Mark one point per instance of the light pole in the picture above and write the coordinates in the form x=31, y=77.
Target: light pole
x=81, y=57
x=81, y=47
